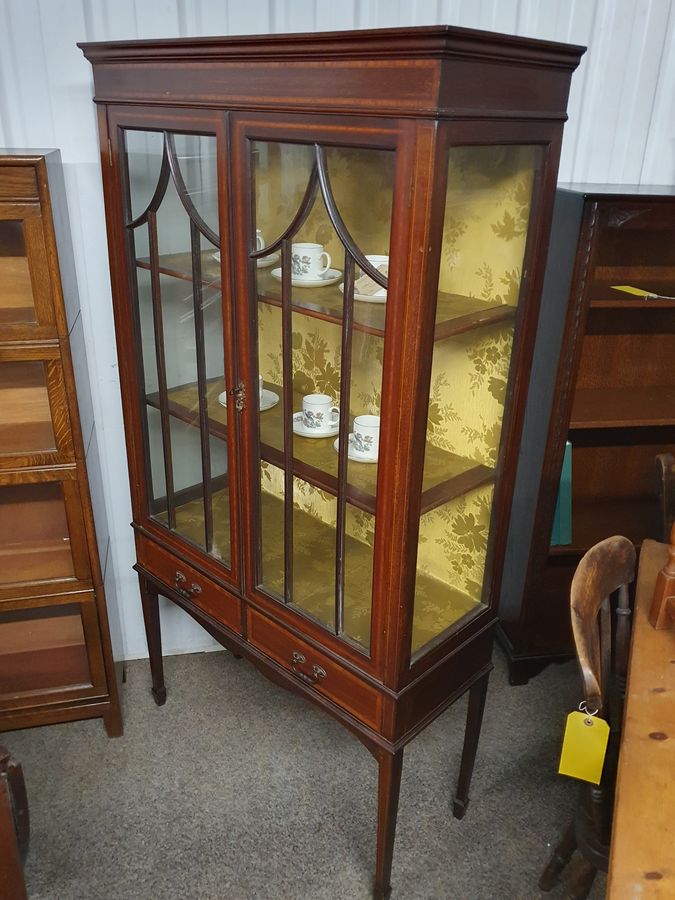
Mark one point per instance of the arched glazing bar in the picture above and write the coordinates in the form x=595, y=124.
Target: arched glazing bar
x=298, y=219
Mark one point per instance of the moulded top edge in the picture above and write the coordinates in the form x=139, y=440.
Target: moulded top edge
x=592, y=189
x=17, y=156
x=433, y=41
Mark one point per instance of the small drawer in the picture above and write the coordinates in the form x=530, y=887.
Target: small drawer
x=312, y=667
x=190, y=584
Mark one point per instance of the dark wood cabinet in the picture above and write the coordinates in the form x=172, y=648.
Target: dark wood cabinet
x=55, y=655
x=326, y=256
x=608, y=315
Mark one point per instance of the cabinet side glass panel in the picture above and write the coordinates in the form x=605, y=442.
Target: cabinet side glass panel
x=173, y=233
x=34, y=535
x=42, y=649
x=487, y=212
x=17, y=304
x=25, y=413
x=320, y=330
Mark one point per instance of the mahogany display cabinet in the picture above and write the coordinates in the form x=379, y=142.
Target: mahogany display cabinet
x=358, y=568
x=55, y=650
x=604, y=357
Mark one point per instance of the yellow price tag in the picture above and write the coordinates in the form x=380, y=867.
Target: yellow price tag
x=629, y=289
x=584, y=747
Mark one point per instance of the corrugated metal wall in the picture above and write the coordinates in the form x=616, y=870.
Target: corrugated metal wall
x=621, y=128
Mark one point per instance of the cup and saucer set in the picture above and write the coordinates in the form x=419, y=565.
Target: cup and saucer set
x=311, y=267
x=319, y=418
x=263, y=263
x=266, y=398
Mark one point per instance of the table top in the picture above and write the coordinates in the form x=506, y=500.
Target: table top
x=642, y=856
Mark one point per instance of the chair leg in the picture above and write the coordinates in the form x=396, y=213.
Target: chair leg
x=474, y=719
x=581, y=875
x=150, y=601
x=559, y=858
x=389, y=785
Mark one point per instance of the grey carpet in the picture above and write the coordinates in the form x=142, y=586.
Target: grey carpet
x=237, y=789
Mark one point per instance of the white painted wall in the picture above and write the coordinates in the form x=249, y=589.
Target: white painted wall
x=621, y=129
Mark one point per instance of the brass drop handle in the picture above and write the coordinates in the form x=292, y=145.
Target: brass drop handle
x=188, y=593
x=318, y=672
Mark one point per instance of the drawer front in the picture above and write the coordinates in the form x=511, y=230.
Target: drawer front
x=190, y=583
x=312, y=667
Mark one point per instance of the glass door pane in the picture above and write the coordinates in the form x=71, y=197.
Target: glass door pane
x=34, y=535
x=26, y=417
x=17, y=305
x=174, y=237
x=487, y=211
x=42, y=649
x=320, y=254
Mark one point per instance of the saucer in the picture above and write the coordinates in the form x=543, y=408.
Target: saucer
x=299, y=428
x=268, y=400
x=354, y=454
x=263, y=263
x=366, y=298
x=331, y=277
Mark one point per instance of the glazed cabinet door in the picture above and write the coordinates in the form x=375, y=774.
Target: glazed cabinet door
x=171, y=171
x=315, y=306
x=49, y=652
x=26, y=306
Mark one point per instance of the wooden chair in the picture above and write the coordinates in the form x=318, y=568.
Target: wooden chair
x=602, y=640
x=14, y=828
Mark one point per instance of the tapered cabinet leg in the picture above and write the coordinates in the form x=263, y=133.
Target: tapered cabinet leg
x=112, y=721
x=150, y=601
x=388, y=789
x=474, y=719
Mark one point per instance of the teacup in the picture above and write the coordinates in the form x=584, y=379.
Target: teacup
x=366, y=435
x=319, y=414
x=306, y=261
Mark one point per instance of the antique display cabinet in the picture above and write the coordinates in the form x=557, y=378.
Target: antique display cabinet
x=604, y=358
x=55, y=651
x=322, y=449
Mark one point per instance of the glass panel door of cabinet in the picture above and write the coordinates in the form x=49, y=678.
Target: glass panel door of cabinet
x=487, y=212
x=35, y=540
x=25, y=413
x=17, y=305
x=43, y=649
x=320, y=257
x=174, y=240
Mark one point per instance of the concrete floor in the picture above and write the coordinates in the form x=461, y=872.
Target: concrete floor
x=237, y=790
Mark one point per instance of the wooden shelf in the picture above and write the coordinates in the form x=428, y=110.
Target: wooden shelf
x=46, y=559
x=455, y=314
x=623, y=407
x=446, y=475
x=595, y=519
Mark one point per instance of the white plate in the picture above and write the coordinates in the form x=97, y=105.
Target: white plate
x=354, y=454
x=299, y=429
x=331, y=277
x=263, y=263
x=269, y=399
x=366, y=298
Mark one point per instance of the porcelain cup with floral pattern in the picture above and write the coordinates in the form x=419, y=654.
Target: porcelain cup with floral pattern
x=366, y=435
x=306, y=261
x=319, y=414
